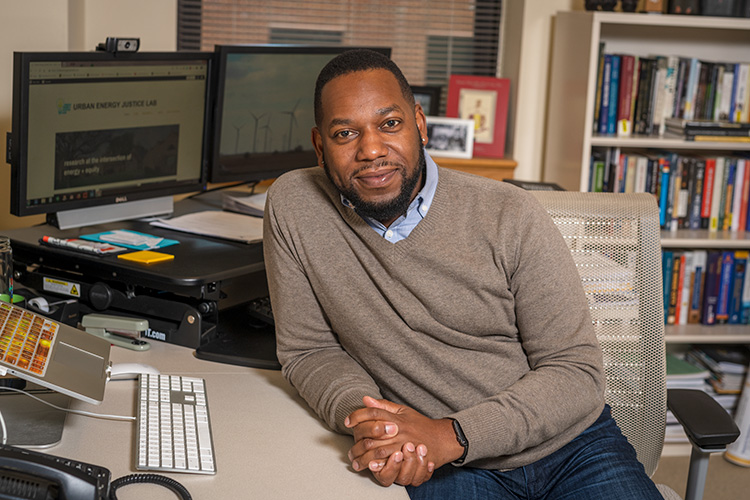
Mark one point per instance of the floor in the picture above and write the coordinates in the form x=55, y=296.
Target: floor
x=725, y=481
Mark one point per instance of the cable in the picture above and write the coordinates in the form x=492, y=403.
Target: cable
x=165, y=481
x=77, y=412
x=5, y=429
x=252, y=184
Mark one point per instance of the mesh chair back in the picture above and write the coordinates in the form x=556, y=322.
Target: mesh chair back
x=615, y=242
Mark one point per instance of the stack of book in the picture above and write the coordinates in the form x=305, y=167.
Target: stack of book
x=708, y=287
x=694, y=191
x=682, y=374
x=635, y=94
x=727, y=364
x=707, y=130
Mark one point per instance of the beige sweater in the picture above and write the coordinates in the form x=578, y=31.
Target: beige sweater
x=479, y=314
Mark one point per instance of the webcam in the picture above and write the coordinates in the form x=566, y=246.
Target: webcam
x=114, y=44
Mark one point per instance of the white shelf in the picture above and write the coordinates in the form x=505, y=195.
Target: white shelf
x=657, y=142
x=704, y=239
x=702, y=334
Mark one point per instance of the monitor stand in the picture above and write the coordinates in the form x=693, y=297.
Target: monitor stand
x=243, y=340
x=81, y=217
x=32, y=424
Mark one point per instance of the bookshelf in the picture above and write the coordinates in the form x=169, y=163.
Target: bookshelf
x=570, y=133
x=573, y=79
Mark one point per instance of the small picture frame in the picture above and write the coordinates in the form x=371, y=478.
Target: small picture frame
x=429, y=97
x=484, y=100
x=450, y=137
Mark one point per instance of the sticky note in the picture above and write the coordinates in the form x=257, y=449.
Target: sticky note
x=146, y=256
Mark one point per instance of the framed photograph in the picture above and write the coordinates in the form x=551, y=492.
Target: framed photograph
x=484, y=100
x=450, y=137
x=429, y=97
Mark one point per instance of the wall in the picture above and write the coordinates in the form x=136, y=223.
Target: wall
x=57, y=25
x=527, y=36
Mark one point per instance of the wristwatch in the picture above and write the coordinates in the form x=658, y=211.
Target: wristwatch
x=461, y=438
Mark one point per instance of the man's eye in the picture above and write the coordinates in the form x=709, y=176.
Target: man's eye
x=343, y=134
x=391, y=123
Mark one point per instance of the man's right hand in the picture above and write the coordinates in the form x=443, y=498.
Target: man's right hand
x=406, y=466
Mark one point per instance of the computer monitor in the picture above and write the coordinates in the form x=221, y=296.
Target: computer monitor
x=100, y=136
x=264, y=109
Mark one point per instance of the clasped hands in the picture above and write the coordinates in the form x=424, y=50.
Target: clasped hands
x=398, y=444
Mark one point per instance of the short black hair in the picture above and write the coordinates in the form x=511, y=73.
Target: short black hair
x=352, y=61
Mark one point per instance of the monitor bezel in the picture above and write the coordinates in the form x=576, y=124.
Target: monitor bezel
x=257, y=173
x=19, y=146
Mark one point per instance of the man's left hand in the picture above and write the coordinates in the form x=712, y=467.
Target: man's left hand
x=376, y=439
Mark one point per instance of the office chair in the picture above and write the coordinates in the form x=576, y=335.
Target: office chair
x=615, y=243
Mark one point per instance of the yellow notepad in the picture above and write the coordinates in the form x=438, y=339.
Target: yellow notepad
x=146, y=256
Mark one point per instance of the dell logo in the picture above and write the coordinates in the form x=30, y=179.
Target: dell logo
x=121, y=199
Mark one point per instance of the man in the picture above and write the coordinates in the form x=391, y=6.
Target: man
x=434, y=315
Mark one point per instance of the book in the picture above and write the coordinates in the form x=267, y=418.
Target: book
x=704, y=126
x=724, y=99
x=675, y=287
x=643, y=102
x=708, y=188
x=599, y=85
x=604, y=105
x=625, y=89
x=686, y=273
x=667, y=262
x=614, y=83
x=745, y=198
x=728, y=194
x=253, y=204
x=669, y=89
x=697, y=282
x=725, y=286
x=738, y=280
x=695, y=192
x=739, y=178
x=740, y=93
x=691, y=90
x=711, y=287
x=678, y=368
x=719, y=180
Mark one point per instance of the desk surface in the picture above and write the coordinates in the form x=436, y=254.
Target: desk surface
x=267, y=441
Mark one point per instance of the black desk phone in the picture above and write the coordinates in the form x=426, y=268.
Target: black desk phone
x=31, y=475
x=26, y=475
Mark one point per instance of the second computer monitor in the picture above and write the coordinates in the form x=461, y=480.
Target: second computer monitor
x=264, y=109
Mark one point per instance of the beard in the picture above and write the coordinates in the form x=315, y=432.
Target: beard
x=390, y=209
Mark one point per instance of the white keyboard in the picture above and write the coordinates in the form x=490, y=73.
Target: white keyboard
x=174, y=429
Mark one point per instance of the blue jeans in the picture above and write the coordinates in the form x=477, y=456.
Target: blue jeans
x=599, y=463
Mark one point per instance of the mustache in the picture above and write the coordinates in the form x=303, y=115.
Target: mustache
x=378, y=164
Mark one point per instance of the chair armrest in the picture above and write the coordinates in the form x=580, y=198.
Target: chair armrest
x=706, y=423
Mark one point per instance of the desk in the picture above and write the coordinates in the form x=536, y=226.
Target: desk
x=184, y=299
x=268, y=443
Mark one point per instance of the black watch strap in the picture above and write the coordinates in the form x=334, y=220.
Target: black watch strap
x=461, y=438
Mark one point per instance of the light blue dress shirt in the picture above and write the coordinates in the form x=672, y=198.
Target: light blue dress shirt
x=403, y=226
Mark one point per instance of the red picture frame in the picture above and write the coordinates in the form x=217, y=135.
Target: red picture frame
x=483, y=99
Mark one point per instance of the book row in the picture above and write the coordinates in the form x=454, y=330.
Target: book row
x=635, y=94
x=693, y=191
x=706, y=286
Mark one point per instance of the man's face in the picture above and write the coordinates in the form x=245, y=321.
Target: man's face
x=370, y=142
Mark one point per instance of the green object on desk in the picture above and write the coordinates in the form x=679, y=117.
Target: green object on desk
x=4, y=297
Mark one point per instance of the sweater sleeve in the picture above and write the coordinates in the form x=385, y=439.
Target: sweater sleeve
x=311, y=356
x=563, y=391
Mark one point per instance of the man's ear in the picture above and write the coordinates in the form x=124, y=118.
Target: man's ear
x=421, y=122
x=317, y=142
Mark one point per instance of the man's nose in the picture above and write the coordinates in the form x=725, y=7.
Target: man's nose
x=371, y=146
